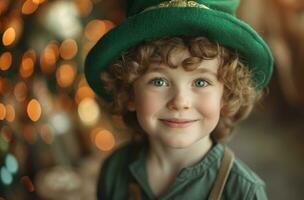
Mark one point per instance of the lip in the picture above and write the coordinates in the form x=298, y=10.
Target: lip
x=177, y=123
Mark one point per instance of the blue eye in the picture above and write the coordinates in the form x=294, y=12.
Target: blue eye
x=201, y=83
x=158, y=82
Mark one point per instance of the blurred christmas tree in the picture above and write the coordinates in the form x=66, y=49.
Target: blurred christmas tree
x=49, y=117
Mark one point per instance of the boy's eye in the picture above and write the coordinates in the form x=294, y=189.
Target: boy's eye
x=159, y=82
x=201, y=83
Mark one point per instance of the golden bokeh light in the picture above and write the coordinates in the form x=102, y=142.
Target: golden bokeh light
x=84, y=7
x=95, y=29
x=47, y=134
x=49, y=57
x=29, y=7
x=65, y=75
x=104, y=140
x=38, y=1
x=10, y=113
x=20, y=91
x=27, y=67
x=5, y=61
x=68, y=49
x=9, y=36
x=88, y=111
x=34, y=110
x=84, y=92
x=109, y=25
x=2, y=111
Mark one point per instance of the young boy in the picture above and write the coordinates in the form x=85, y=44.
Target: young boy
x=181, y=74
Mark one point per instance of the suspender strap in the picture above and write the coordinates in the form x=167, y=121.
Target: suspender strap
x=222, y=175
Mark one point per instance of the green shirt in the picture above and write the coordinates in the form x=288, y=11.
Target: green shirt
x=193, y=182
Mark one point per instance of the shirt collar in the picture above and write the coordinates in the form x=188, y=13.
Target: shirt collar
x=138, y=167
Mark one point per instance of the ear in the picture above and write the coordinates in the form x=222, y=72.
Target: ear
x=131, y=106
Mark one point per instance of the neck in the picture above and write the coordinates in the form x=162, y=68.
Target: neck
x=170, y=159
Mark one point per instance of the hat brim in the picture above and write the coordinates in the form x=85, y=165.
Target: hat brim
x=218, y=26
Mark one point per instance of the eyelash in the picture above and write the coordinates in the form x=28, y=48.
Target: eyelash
x=160, y=78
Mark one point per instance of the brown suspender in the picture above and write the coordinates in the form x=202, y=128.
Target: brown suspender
x=218, y=186
x=222, y=175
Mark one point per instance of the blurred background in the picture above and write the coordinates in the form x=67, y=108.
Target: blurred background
x=54, y=133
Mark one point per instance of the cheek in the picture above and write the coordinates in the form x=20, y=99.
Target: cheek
x=210, y=106
x=148, y=103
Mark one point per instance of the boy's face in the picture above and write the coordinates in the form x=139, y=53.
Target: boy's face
x=176, y=107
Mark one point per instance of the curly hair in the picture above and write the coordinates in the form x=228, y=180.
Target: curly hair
x=239, y=94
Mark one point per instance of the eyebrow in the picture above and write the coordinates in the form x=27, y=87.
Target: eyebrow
x=200, y=70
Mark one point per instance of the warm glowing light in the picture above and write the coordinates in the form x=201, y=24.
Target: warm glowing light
x=95, y=29
x=2, y=111
x=65, y=75
x=47, y=134
x=49, y=57
x=109, y=25
x=29, y=7
x=9, y=36
x=68, y=49
x=20, y=91
x=10, y=113
x=38, y=1
x=104, y=140
x=88, y=111
x=27, y=67
x=34, y=110
x=5, y=61
x=27, y=183
x=84, y=92
x=84, y=7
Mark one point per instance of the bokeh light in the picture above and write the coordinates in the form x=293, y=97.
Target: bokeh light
x=20, y=91
x=60, y=122
x=84, y=92
x=88, y=111
x=5, y=176
x=68, y=49
x=34, y=110
x=27, y=67
x=9, y=36
x=5, y=61
x=10, y=113
x=29, y=7
x=65, y=74
x=49, y=57
x=84, y=7
x=95, y=29
x=104, y=140
x=11, y=163
x=2, y=111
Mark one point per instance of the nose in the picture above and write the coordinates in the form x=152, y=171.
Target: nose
x=180, y=100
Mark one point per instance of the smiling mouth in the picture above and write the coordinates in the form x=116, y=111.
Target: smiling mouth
x=174, y=123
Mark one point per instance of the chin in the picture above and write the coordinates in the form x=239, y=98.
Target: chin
x=180, y=144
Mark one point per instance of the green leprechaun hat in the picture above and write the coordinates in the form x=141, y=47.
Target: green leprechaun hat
x=151, y=19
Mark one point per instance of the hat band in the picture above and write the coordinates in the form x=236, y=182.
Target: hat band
x=177, y=3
